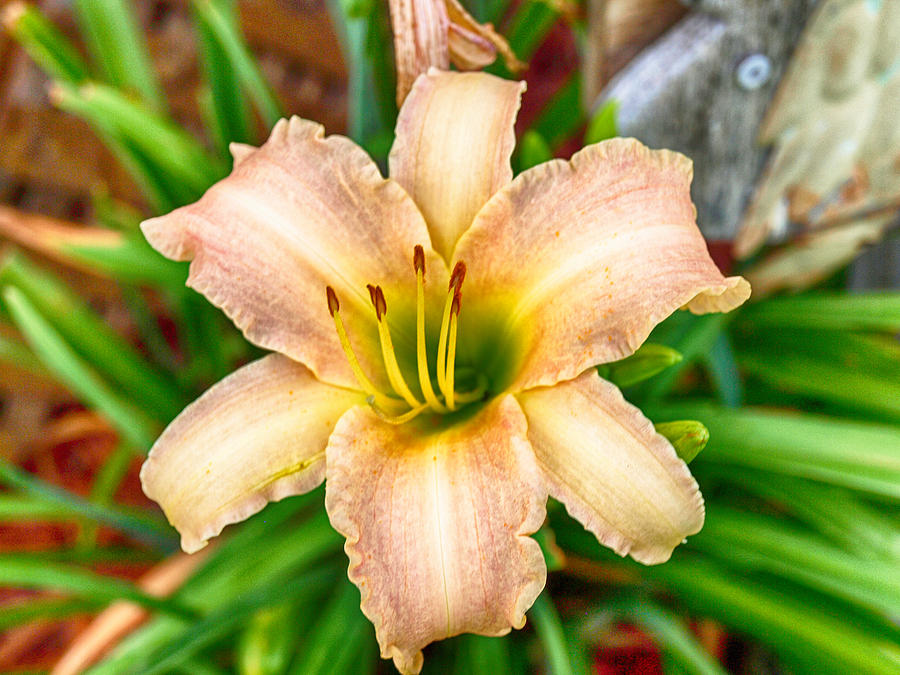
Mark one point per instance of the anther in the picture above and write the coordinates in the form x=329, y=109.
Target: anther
x=446, y=355
x=364, y=382
x=456, y=304
x=457, y=276
x=333, y=304
x=376, y=295
x=419, y=259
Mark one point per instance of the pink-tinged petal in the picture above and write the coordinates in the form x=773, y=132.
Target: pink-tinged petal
x=257, y=436
x=587, y=256
x=436, y=523
x=420, y=30
x=301, y=213
x=602, y=458
x=454, y=140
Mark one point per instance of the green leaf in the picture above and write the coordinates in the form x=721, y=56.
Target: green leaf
x=553, y=555
x=873, y=311
x=307, y=587
x=106, y=483
x=43, y=42
x=480, y=655
x=63, y=362
x=268, y=642
x=149, y=329
x=723, y=370
x=532, y=150
x=291, y=537
x=602, y=125
x=838, y=513
x=693, y=337
x=162, y=194
x=219, y=18
x=372, y=109
x=142, y=527
x=863, y=456
x=762, y=543
x=188, y=170
x=14, y=508
x=115, y=42
x=529, y=26
x=17, y=353
x=847, y=371
x=827, y=643
x=337, y=637
x=64, y=313
x=561, y=655
x=80, y=582
x=229, y=113
x=42, y=609
x=688, y=437
x=131, y=261
x=561, y=117
x=650, y=359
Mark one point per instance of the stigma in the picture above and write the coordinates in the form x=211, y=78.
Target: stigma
x=402, y=404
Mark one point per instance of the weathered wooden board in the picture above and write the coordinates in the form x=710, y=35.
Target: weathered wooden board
x=685, y=92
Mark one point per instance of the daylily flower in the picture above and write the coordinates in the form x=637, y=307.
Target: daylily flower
x=438, y=333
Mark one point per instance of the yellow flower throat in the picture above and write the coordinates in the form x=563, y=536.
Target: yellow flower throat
x=403, y=405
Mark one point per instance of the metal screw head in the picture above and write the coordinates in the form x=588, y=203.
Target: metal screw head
x=753, y=71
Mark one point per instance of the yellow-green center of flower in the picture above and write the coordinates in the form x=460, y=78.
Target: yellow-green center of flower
x=402, y=405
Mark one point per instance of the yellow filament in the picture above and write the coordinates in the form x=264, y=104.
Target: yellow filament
x=451, y=360
x=397, y=419
x=442, y=347
x=421, y=353
x=364, y=382
x=392, y=367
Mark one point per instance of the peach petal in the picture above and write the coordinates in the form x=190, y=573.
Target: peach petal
x=602, y=458
x=454, y=140
x=257, y=436
x=589, y=255
x=436, y=523
x=301, y=213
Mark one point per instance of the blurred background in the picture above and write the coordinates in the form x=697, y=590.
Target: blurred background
x=111, y=111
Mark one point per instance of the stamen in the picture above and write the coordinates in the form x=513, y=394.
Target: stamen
x=387, y=349
x=451, y=349
x=364, y=382
x=456, y=279
x=421, y=352
x=396, y=419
